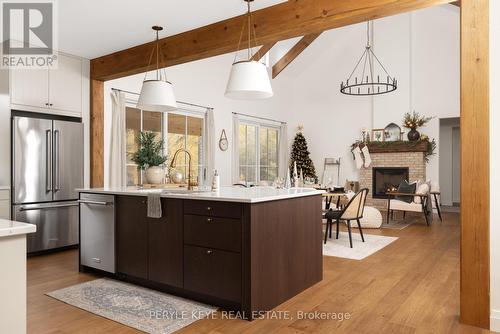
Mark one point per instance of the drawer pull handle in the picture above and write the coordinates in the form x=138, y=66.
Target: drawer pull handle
x=209, y=208
x=96, y=260
x=209, y=252
x=209, y=220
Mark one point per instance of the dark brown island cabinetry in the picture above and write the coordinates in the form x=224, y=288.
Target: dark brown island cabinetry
x=131, y=236
x=149, y=248
x=248, y=257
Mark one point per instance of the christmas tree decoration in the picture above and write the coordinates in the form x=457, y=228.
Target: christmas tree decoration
x=288, y=181
x=300, y=156
x=295, y=175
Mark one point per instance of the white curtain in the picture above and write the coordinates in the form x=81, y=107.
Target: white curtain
x=117, y=144
x=283, y=151
x=236, y=149
x=210, y=133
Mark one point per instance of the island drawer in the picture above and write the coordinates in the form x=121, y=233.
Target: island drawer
x=213, y=208
x=212, y=272
x=215, y=232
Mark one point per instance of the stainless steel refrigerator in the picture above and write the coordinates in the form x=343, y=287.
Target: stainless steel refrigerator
x=47, y=167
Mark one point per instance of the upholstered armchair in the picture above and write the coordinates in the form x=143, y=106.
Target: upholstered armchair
x=419, y=202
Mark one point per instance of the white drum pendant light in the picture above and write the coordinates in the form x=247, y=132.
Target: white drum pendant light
x=249, y=79
x=157, y=94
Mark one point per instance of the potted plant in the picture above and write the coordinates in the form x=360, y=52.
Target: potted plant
x=413, y=121
x=150, y=157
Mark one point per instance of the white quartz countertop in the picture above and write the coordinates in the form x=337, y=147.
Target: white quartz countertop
x=9, y=228
x=226, y=194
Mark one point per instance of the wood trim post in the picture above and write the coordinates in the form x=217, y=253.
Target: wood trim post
x=475, y=181
x=262, y=51
x=294, y=52
x=96, y=133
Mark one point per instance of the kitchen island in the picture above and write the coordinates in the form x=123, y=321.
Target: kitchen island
x=13, y=275
x=244, y=249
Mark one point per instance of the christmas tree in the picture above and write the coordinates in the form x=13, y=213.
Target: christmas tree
x=300, y=154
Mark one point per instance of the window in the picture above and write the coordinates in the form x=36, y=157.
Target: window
x=258, y=152
x=186, y=132
x=178, y=130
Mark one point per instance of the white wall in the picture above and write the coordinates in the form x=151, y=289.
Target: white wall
x=494, y=165
x=393, y=45
x=421, y=49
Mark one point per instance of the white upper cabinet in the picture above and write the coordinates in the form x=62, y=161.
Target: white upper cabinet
x=56, y=91
x=29, y=88
x=65, y=85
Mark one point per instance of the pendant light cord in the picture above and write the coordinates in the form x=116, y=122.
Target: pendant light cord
x=368, y=34
x=157, y=59
x=149, y=63
x=254, y=36
x=157, y=50
x=250, y=32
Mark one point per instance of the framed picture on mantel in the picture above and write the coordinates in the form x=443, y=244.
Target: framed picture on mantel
x=378, y=134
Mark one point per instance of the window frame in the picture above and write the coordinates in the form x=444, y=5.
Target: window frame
x=202, y=167
x=258, y=125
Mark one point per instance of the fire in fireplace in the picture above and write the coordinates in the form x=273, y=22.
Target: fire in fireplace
x=386, y=179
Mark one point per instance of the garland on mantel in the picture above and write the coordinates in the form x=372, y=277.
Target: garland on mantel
x=431, y=145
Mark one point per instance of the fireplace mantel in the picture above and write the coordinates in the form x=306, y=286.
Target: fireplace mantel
x=396, y=147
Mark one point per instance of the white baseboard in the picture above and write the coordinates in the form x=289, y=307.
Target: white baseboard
x=495, y=320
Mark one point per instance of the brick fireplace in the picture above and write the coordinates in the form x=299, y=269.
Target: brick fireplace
x=400, y=158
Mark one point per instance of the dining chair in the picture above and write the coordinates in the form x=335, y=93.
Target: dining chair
x=352, y=211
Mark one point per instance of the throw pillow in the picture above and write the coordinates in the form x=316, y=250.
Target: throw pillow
x=422, y=189
x=406, y=188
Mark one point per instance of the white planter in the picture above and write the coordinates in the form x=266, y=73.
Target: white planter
x=155, y=175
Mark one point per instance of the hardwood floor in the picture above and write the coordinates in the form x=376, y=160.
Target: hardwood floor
x=411, y=286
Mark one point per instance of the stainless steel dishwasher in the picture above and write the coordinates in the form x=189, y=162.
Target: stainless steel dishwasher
x=97, y=231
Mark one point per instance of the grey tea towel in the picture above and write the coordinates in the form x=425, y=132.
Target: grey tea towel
x=154, y=204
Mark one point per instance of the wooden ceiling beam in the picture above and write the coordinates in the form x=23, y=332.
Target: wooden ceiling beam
x=262, y=51
x=293, y=53
x=283, y=21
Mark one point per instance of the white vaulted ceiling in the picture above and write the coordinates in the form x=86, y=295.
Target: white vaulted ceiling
x=93, y=28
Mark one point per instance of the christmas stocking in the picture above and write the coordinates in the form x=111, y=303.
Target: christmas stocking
x=366, y=154
x=357, y=157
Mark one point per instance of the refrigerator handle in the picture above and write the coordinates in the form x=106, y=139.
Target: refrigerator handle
x=48, y=160
x=57, y=171
x=47, y=206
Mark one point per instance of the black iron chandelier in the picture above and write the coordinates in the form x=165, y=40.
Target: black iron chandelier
x=363, y=80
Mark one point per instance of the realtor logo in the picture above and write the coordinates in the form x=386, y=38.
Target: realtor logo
x=28, y=34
